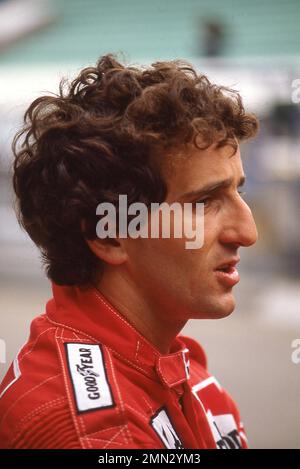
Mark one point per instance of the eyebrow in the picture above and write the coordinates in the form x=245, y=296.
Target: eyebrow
x=213, y=186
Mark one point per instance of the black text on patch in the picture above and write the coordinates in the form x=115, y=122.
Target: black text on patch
x=88, y=375
x=165, y=430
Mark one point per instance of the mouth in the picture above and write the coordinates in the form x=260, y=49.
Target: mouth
x=227, y=272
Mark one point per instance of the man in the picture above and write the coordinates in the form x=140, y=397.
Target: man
x=104, y=367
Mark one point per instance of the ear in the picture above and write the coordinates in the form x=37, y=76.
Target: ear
x=110, y=251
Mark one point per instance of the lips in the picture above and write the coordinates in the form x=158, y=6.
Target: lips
x=227, y=273
x=227, y=265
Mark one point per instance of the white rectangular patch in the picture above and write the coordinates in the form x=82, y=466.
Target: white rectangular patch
x=165, y=430
x=88, y=375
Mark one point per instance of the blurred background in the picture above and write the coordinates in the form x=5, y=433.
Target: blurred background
x=253, y=47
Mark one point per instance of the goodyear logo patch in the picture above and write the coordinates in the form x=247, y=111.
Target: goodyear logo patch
x=88, y=375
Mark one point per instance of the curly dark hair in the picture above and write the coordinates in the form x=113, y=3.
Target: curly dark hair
x=95, y=140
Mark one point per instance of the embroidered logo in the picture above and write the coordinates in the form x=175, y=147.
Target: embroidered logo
x=164, y=428
x=88, y=375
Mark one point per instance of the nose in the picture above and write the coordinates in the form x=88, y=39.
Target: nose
x=239, y=227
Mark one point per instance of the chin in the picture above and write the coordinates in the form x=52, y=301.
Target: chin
x=226, y=307
x=217, y=309
x=223, y=314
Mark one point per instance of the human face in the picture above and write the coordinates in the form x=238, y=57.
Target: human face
x=188, y=283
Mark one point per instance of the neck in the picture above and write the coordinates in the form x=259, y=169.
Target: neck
x=142, y=309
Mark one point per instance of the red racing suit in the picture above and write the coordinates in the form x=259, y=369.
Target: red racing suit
x=86, y=378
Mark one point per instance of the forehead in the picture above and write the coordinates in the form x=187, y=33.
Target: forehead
x=189, y=169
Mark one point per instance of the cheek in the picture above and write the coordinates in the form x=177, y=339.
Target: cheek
x=163, y=263
x=201, y=261
x=180, y=270
x=212, y=224
x=168, y=256
x=166, y=264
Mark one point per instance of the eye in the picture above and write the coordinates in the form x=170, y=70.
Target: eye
x=204, y=201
